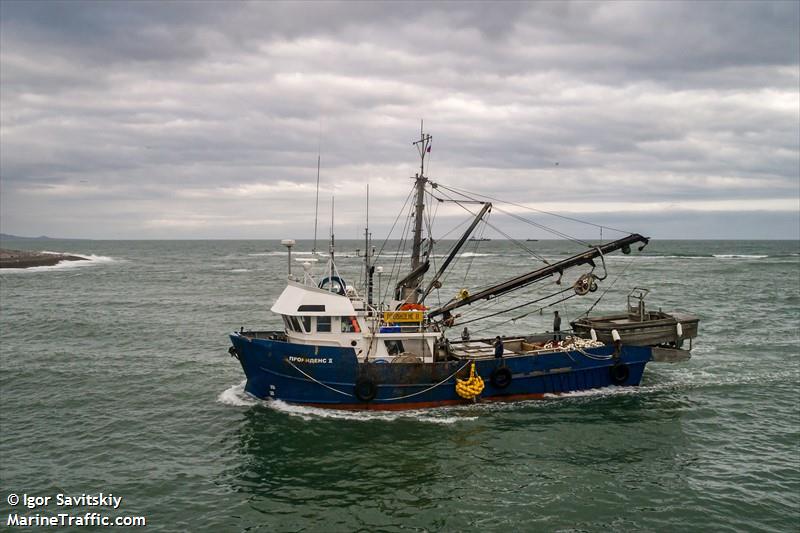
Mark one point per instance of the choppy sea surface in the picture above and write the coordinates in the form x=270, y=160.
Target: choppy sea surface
x=114, y=378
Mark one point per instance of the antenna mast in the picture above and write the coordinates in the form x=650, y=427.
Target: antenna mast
x=424, y=147
x=368, y=268
x=316, y=209
x=330, y=260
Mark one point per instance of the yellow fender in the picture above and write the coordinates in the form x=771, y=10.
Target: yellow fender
x=472, y=387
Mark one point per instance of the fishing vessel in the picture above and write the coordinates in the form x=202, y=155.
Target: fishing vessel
x=352, y=346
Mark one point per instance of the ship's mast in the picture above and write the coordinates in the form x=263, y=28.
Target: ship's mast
x=369, y=269
x=331, y=248
x=316, y=211
x=423, y=146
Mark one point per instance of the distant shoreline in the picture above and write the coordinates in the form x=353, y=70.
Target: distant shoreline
x=27, y=259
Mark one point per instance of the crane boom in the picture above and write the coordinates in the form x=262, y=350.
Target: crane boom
x=588, y=256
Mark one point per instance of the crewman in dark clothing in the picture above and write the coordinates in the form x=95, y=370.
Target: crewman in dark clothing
x=556, y=327
x=498, y=347
x=465, y=334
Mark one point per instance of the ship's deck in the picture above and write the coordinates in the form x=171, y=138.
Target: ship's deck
x=484, y=348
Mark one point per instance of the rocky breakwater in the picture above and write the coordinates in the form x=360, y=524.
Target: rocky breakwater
x=26, y=259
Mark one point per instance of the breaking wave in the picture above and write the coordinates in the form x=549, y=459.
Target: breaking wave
x=694, y=256
x=475, y=254
x=90, y=260
x=282, y=253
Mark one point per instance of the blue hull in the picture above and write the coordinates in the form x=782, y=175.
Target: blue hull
x=327, y=376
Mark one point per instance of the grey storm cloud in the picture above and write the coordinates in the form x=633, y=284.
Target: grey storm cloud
x=181, y=119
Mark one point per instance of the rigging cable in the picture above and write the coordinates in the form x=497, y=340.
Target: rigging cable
x=516, y=307
x=514, y=319
x=402, y=240
x=573, y=219
x=501, y=300
x=401, y=252
x=630, y=262
x=478, y=238
x=402, y=209
x=513, y=240
x=535, y=224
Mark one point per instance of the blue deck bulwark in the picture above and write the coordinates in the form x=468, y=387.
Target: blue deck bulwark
x=328, y=376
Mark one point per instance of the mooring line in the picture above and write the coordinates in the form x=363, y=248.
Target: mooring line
x=317, y=381
x=383, y=399
x=429, y=388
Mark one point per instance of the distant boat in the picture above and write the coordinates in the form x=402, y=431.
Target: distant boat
x=482, y=239
x=532, y=240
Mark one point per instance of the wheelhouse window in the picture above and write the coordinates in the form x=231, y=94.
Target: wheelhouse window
x=296, y=324
x=323, y=324
x=306, y=323
x=350, y=324
x=292, y=324
x=394, y=347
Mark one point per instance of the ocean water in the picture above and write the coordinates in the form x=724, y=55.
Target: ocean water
x=115, y=378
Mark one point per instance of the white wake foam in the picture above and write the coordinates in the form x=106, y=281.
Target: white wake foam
x=236, y=396
x=739, y=256
x=437, y=415
x=605, y=392
x=683, y=380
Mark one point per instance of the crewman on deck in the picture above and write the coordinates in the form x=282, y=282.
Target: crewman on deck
x=498, y=347
x=465, y=334
x=556, y=327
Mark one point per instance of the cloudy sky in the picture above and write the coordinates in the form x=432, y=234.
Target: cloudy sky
x=204, y=120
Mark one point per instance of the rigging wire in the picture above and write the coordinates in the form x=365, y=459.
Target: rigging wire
x=486, y=305
x=573, y=219
x=507, y=236
x=386, y=240
x=456, y=261
x=402, y=209
x=630, y=262
x=517, y=307
x=432, y=242
x=500, y=300
x=518, y=243
x=484, y=223
x=463, y=222
x=514, y=319
x=493, y=304
x=546, y=228
x=522, y=219
x=396, y=264
x=573, y=295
